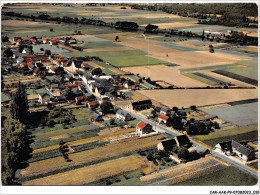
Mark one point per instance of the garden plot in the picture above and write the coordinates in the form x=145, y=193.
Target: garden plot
x=192, y=169
x=199, y=97
x=88, y=174
x=97, y=154
x=53, y=48
x=240, y=115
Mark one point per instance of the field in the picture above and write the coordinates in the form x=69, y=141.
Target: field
x=184, y=172
x=127, y=58
x=229, y=176
x=92, y=173
x=165, y=73
x=240, y=115
x=199, y=97
x=4, y=97
x=239, y=134
x=108, y=151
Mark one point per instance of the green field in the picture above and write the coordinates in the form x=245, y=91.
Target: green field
x=4, y=97
x=35, y=91
x=238, y=134
x=106, y=54
x=127, y=58
x=103, y=44
x=229, y=176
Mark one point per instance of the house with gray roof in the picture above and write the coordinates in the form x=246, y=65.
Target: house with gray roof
x=123, y=115
x=235, y=149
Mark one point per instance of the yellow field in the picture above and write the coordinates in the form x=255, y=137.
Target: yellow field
x=199, y=97
x=108, y=151
x=92, y=173
x=166, y=73
x=174, y=24
x=186, y=59
x=251, y=49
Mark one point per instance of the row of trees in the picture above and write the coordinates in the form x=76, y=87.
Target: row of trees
x=233, y=14
x=15, y=140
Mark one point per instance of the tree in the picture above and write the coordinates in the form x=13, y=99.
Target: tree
x=112, y=121
x=5, y=39
x=19, y=106
x=107, y=107
x=8, y=53
x=183, y=153
x=175, y=109
x=151, y=28
x=48, y=52
x=97, y=71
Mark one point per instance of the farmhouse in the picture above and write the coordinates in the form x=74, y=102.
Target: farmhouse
x=165, y=111
x=141, y=105
x=95, y=117
x=233, y=148
x=166, y=145
x=80, y=99
x=44, y=98
x=143, y=128
x=123, y=116
x=163, y=119
x=182, y=140
x=93, y=104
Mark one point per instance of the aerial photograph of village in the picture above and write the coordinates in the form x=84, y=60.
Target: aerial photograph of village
x=129, y=94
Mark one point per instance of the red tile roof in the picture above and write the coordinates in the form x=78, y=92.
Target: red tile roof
x=81, y=98
x=78, y=82
x=163, y=117
x=94, y=103
x=141, y=125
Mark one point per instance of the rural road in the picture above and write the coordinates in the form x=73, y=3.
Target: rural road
x=173, y=133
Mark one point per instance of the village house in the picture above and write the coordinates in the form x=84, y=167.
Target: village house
x=123, y=115
x=131, y=85
x=93, y=104
x=233, y=148
x=140, y=105
x=166, y=145
x=163, y=119
x=80, y=99
x=44, y=98
x=165, y=111
x=143, y=128
x=182, y=141
x=95, y=117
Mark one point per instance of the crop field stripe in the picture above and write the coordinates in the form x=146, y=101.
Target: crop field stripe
x=237, y=77
x=91, y=173
x=217, y=81
x=227, y=132
x=198, y=78
x=241, y=137
x=107, y=151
